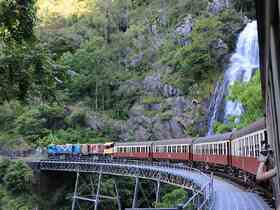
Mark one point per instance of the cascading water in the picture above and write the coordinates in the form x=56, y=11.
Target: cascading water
x=243, y=63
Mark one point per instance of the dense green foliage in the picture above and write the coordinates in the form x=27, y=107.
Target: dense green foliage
x=45, y=124
x=173, y=198
x=15, y=188
x=26, y=68
x=249, y=95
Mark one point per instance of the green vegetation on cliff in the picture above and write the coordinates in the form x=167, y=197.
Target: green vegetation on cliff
x=15, y=186
x=249, y=94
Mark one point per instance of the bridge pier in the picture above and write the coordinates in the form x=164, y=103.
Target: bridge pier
x=94, y=197
x=158, y=192
x=75, y=191
x=98, y=191
x=135, y=196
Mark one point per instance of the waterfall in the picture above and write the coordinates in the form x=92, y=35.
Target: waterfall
x=243, y=63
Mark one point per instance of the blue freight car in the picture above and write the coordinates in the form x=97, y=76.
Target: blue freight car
x=76, y=149
x=52, y=149
x=64, y=149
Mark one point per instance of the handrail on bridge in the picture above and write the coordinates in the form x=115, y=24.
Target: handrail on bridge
x=201, y=199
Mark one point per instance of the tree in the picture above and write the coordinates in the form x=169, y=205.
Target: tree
x=196, y=60
x=173, y=198
x=249, y=95
x=18, y=177
x=25, y=67
x=4, y=164
x=17, y=20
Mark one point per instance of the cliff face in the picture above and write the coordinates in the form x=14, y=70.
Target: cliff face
x=165, y=107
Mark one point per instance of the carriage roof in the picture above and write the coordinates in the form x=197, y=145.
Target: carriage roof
x=213, y=138
x=147, y=143
x=258, y=125
x=186, y=140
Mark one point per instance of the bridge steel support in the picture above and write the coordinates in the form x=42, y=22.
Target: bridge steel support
x=201, y=184
x=135, y=196
x=98, y=191
x=93, y=198
x=75, y=191
x=117, y=196
x=158, y=191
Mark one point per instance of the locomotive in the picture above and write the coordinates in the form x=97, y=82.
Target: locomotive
x=237, y=151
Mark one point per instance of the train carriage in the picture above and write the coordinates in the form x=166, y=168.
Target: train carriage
x=84, y=149
x=134, y=150
x=214, y=149
x=246, y=147
x=173, y=149
x=96, y=149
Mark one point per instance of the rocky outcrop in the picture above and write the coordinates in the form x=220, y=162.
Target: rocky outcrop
x=169, y=115
x=153, y=85
x=166, y=119
x=219, y=5
x=220, y=49
x=183, y=31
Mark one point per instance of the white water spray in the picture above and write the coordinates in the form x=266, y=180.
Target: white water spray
x=242, y=65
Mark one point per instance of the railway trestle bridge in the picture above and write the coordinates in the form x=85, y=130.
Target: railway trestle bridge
x=200, y=184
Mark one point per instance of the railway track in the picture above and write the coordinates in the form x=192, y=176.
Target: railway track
x=262, y=191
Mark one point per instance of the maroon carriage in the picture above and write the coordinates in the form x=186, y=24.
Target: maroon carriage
x=133, y=150
x=96, y=149
x=246, y=147
x=173, y=149
x=213, y=149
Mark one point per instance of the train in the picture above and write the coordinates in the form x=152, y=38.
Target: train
x=234, y=152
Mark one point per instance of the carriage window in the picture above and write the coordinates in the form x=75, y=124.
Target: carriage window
x=252, y=146
x=220, y=149
x=261, y=136
x=173, y=148
x=169, y=148
x=257, y=147
x=215, y=149
x=179, y=148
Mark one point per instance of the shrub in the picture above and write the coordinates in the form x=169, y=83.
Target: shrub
x=18, y=177
x=151, y=100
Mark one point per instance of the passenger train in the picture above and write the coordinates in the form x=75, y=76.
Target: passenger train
x=236, y=151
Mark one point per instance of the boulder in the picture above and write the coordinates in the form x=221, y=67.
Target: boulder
x=219, y=5
x=153, y=86
x=183, y=31
x=185, y=28
x=220, y=49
